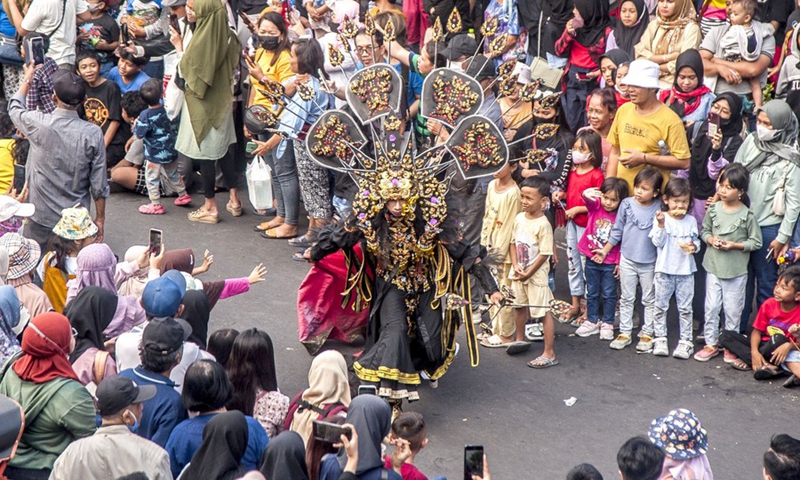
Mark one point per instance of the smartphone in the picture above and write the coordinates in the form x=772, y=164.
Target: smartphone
x=249, y=147
x=173, y=22
x=126, y=36
x=34, y=50
x=713, y=124
x=330, y=432
x=473, y=461
x=19, y=177
x=367, y=390
x=156, y=236
x=245, y=19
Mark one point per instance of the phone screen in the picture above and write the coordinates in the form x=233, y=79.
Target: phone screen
x=330, y=432
x=173, y=22
x=713, y=124
x=473, y=461
x=155, y=241
x=35, y=51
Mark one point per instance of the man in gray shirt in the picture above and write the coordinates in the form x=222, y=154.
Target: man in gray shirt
x=67, y=157
x=733, y=75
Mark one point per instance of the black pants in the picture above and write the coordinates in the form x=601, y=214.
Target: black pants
x=738, y=344
x=208, y=171
x=26, y=474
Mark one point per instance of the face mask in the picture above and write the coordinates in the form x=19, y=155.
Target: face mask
x=541, y=120
x=765, y=134
x=133, y=428
x=580, y=157
x=269, y=42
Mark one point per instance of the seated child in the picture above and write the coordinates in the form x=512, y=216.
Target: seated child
x=639, y=459
x=782, y=460
x=584, y=471
x=128, y=73
x=409, y=426
x=100, y=34
x=155, y=129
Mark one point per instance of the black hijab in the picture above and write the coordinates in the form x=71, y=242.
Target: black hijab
x=89, y=313
x=372, y=419
x=703, y=186
x=197, y=312
x=595, y=21
x=285, y=458
x=220, y=455
x=618, y=56
x=628, y=37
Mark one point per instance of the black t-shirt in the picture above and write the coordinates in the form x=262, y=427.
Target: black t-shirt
x=102, y=106
x=775, y=11
x=104, y=28
x=529, y=17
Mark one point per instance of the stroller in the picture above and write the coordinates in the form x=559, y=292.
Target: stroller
x=12, y=424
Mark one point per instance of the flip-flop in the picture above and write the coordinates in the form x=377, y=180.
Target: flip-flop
x=739, y=364
x=298, y=257
x=494, y=342
x=300, y=242
x=269, y=234
x=548, y=362
x=765, y=373
x=257, y=229
x=518, y=347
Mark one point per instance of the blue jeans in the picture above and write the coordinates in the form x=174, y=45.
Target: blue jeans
x=762, y=272
x=285, y=184
x=575, y=260
x=9, y=54
x=600, y=281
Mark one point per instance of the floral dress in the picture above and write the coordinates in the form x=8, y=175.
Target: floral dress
x=270, y=411
x=508, y=22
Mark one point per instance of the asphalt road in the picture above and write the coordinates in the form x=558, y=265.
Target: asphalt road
x=518, y=413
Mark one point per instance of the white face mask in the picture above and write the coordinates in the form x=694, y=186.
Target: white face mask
x=579, y=157
x=765, y=134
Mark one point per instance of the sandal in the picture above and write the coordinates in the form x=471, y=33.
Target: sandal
x=274, y=236
x=739, y=364
x=300, y=257
x=301, y=242
x=543, y=362
x=203, y=216
x=264, y=226
x=517, y=347
x=494, y=342
x=792, y=382
x=236, y=211
x=152, y=209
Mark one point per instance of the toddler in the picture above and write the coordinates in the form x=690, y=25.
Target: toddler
x=155, y=129
x=99, y=34
x=731, y=232
x=637, y=257
x=601, y=270
x=143, y=12
x=675, y=236
x=620, y=89
x=409, y=427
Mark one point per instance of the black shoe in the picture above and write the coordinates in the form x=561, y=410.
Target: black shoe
x=792, y=382
x=765, y=373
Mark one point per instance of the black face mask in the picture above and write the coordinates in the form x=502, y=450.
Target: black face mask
x=541, y=120
x=269, y=42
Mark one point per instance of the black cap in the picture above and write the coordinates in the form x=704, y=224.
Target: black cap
x=117, y=392
x=481, y=68
x=462, y=45
x=165, y=335
x=69, y=87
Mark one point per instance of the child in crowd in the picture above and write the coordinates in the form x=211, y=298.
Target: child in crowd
x=639, y=459
x=128, y=74
x=502, y=207
x=585, y=471
x=155, y=129
x=409, y=427
x=676, y=238
x=587, y=155
x=601, y=270
x=782, y=460
x=731, y=232
x=775, y=330
x=143, y=12
x=637, y=255
x=609, y=62
x=99, y=34
x=101, y=106
x=620, y=89
x=531, y=248
x=74, y=231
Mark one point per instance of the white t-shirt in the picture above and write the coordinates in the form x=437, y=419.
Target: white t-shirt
x=45, y=15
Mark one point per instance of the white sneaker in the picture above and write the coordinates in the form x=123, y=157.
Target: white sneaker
x=660, y=347
x=607, y=331
x=533, y=332
x=587, y=329
x=684, y=350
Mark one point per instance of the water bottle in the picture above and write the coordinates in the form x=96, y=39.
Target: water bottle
x=663, y=149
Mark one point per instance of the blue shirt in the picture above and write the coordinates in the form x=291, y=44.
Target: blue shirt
x=163, y=412
x=299, y=112
x=155, y=129
x=124, y=88
x=632, y=227
x=187, y=437
x=6, y=28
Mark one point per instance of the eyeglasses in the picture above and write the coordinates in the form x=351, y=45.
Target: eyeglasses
x=363, y=50
x=718, y=109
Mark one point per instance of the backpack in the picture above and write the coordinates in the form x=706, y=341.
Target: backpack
x=298, y=402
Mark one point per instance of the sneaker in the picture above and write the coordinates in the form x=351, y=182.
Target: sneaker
x=684, y=350
x=533, y=332
x=707, y=353
x=587, y=329
x=645, y=343
x=183, y=200
x=621, y=342
x=660, y=347
x=203, y=216
x=152, y=209
x=607, y=331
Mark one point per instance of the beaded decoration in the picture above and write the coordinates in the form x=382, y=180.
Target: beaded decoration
x=506, y=68
x=528, y=92
x=452, y=99
x=333, y=137
x=437, y=32
x=489, y=27
x=479, y=147
x=305, y=91
x=349, y=28
x=389, y=33
x=345, y=43
x=550, y=101
x=373, y=87
x=497, y=45
x=334, y=55
x=508, y=85
x=369, y=25
x=454, y=22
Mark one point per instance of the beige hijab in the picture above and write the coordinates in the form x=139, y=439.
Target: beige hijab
x=327, y=384
x=675, y=25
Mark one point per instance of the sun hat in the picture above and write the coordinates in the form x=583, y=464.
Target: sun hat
x=642, y=73
x=12, y=208
x=23, y=254
x=679, y=434
x=75, y=224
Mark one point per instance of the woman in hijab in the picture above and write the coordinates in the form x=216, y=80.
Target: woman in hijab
x=688, y=97
x=629, y=26
x=97, y=266
x=674, y=31
x=9, y=318
x=285, y=458
x=327, y=385
x=371, y=417
x=220, y=455
x=770, y=156
x=58, y=409
x=583, y=41
x=206, y=127
x=90, y=313
x=610, y=63
x=197, y=313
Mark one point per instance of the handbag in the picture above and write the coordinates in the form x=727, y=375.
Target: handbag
x=550, y=77
x=259, y=184
x=779, y=200
x=173, y=95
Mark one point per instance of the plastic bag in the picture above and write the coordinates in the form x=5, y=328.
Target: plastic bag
x=259, y=184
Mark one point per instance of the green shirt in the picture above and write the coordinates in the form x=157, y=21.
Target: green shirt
x=738, y=227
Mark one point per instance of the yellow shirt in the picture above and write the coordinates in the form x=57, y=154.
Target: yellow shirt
x=530, y=238
x=633, y=131
x=280, y=72
x=394, y=8
x=498, y=222
x=6, y=164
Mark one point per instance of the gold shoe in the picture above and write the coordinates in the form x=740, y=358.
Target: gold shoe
x=203, y=216
x=235, y=211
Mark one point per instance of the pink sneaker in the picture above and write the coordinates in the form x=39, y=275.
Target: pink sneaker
x=184, y=199
x=729, y=357
x=152, y=209
x=707, y=353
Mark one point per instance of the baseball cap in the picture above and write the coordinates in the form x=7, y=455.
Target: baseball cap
x=69, y=87
x=165, y=335
x=642, y=73
x=462, y=45
x=117, y=392
x=162, y=296
x=481, y=68
x=11, y=208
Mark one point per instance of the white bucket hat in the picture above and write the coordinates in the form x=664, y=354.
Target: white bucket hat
x=642, y=73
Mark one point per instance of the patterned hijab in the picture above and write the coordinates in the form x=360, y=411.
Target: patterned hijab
x=675, y=25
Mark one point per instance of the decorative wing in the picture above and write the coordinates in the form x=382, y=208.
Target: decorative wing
x=449, y=96
x=478, y=147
